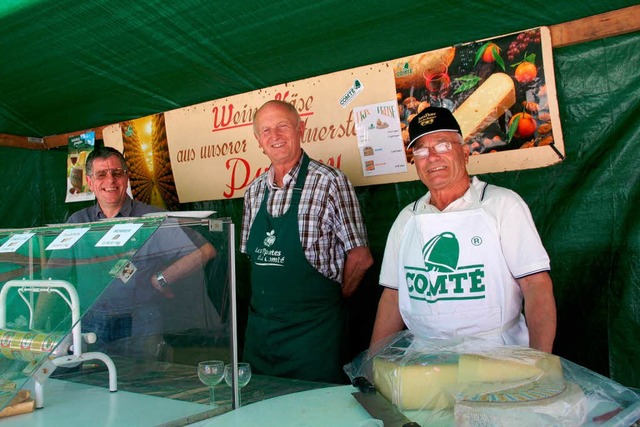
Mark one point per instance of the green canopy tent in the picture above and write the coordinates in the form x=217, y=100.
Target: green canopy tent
x=69, y=66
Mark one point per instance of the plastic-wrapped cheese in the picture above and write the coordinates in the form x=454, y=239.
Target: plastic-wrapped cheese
x=509, y=365
x=417, y=385
x=433, y=381
x=538, y=403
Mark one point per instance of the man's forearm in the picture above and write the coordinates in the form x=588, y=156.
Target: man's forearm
x=541, y=321
x=539, y=310
x=183, y=267
x=188, y=263
x=388, y=319
x=356, y=265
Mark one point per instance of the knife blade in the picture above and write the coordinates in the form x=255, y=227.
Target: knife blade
x=378, y=406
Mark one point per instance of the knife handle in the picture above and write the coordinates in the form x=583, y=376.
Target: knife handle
x=363, y=384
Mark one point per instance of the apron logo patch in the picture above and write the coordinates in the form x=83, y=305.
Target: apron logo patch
x=270, y=239
x=440, y=278
x=268, y=257
x=265, y=256
x=441, y=253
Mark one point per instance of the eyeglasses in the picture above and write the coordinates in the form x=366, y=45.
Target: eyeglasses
x=116, y=173
x=441, y=148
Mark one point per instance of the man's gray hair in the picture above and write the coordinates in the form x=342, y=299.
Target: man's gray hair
x=103, y=153
x=290, y=107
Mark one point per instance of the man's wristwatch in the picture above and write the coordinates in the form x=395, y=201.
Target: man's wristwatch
x=161, y=279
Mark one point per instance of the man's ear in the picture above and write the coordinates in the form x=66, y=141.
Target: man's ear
x=89, y=182
x=466, y=149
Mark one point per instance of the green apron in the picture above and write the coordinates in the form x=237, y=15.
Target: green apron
x=296, y=324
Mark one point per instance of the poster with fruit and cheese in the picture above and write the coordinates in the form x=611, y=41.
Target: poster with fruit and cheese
x=501, y=90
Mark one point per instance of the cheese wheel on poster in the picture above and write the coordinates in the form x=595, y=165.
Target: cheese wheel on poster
x=484, y=106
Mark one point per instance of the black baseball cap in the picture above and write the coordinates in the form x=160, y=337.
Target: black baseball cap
x=430, y=120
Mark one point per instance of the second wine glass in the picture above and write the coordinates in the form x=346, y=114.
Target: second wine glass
x=244, y=376
x=211, y=373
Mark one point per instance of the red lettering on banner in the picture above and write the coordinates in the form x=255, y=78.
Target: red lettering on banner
x=281, y=97
x=243, y=117
x=241, y=175
x=331, y=132
x=301, y=105
x=219, y=120
x=333, y=161
x=217, y=150
x=186, y=155
x=226, y=117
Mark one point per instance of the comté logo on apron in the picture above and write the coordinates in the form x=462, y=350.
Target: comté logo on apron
x=270, y=239
x=269, y=257
x=440, y=278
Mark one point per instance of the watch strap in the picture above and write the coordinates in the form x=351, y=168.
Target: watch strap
x=162, y=281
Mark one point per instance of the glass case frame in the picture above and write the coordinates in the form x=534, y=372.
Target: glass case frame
x=104, y=279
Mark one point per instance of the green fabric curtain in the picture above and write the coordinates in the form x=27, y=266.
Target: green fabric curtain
x=585, y=209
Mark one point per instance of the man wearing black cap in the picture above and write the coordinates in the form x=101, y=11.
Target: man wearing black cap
x=461, y=259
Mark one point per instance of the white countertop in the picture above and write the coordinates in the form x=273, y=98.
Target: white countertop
x=71, y=404
x=332, y=406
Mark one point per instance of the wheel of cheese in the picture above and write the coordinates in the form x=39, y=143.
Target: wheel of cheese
x=419, y=384
x=432, y=381
x=545, y=402
x=513, y=365
x=535, y=390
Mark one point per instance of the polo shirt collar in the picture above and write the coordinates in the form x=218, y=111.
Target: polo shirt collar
x=470, y=197
x=125, y=210
x=291, y=176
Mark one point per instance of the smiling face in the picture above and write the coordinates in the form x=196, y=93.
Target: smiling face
x=111, y=192
x=442, y=171
x=279, y=131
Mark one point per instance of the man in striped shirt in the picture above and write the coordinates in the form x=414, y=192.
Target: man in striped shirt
x=304, y=233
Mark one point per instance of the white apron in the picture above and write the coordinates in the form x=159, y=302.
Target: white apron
x=454, y=280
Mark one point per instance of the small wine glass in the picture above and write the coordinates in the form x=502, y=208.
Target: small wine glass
x=211, y=373
x=244, y=376
x=437, y=84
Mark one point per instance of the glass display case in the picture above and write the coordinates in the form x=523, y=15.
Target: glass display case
x=131, y=305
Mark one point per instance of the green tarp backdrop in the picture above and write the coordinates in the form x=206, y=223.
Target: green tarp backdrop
x=586, y=208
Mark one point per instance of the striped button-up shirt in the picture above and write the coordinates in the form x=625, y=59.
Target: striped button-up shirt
x=329, y=218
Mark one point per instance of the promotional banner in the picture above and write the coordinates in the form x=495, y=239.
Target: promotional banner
x=501, y=91
x=79, y=147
